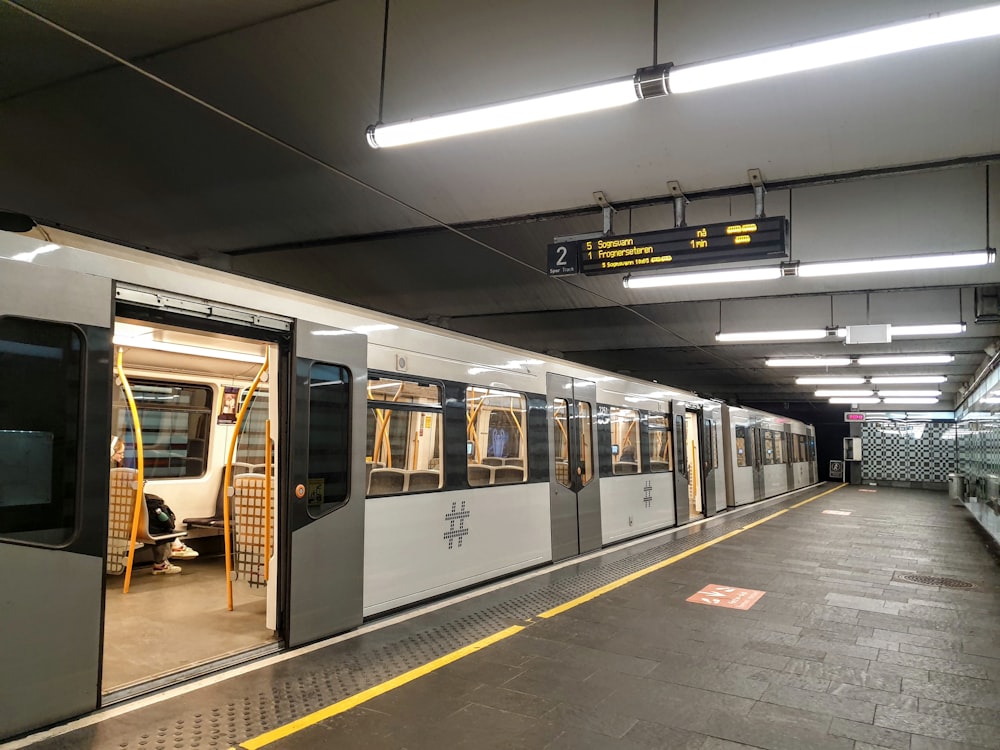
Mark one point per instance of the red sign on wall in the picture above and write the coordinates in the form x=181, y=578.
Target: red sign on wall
x=726, y=596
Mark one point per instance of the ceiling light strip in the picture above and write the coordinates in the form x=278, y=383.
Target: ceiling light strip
x=659, y=80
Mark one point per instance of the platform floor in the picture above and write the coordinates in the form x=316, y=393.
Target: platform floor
x=634, y=649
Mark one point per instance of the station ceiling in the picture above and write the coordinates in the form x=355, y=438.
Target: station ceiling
x=233, y=135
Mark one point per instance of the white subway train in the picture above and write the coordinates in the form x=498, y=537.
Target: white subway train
x=325, y=463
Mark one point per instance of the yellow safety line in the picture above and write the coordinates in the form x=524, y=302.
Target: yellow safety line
x=373, y=692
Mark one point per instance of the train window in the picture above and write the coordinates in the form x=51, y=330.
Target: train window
x=560, y=420
x=41, y=368
x=175, y=419
x=250, y=447
x=769, y=449
x=800, y=442
x=625, y=435
x=712, y=461
x=779, y=447
x=404, y=436
x=329, y=437
x=741, y=445
x=497, y=440
x=585, y=424
x=660, y=443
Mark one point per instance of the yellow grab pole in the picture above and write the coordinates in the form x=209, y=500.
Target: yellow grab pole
x=228, y=477
x=267, y=500
x=140, y=471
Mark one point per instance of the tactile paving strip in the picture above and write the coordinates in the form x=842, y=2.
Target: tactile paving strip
x=341, y=670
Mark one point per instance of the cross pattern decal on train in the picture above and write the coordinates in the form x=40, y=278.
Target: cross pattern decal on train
x=456, y=515
x=647, y=493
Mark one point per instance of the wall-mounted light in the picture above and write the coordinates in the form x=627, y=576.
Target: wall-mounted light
x=659, y=80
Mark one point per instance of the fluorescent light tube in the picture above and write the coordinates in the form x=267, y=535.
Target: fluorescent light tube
x=805, y=334
x=197, y=351
x=898, y=394
x=928, y=32
x=706, y=277
x=598, y=96
x=809, y=362
x=907, y=359
x=910, y=263
x=822, y=393
x=829, y=381
x=910, y=400
x=939, y=329
x=843, y=400
x=907, y=379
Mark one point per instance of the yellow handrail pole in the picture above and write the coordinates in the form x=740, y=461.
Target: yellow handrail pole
x=228, y=477
x=383, y=438
x=140, y=471
x=267, y=499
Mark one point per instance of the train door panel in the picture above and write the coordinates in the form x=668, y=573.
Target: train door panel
x=575, y=501
x=696, y=476
x=326, y=484
x=759, y=458
x=682, y=506
x=714, y=493
x=55, y=342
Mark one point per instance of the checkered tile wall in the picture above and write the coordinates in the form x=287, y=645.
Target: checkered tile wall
x=907, y=451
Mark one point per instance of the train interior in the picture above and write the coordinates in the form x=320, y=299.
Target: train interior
x=692, y=449
x=201, y=399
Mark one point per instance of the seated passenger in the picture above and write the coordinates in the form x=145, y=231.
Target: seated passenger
x=161, y=550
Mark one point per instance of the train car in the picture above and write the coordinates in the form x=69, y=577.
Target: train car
x=766, y=455
x=325, y=464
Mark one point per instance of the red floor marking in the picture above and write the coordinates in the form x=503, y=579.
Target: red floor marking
x=726, y=596
x=838, y=512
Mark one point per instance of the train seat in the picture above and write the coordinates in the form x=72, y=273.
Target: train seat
x=626, y=467
x=422, y=479
x=480, y=475
x=508, y=475
x=659, y=466
x=492, y=461
x=386, y=482
x=513, y=462
x=217, y=521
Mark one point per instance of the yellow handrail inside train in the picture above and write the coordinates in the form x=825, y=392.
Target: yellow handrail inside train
x=140, y=470
x=228, y=477
x=267, y=499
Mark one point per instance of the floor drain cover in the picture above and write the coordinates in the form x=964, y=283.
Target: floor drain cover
x=948, y=583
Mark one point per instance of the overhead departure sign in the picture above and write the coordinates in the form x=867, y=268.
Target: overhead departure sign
x=754, y=239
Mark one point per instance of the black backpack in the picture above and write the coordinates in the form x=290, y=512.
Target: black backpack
x=161, y=518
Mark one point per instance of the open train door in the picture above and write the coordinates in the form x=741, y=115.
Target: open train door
x=575, y=496
x=326, y=483
x=55, y=389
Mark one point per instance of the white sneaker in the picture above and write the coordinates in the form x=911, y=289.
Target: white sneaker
x=181, y=551
x=166, y=569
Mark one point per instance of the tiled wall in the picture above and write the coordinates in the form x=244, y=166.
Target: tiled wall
x=922, y=452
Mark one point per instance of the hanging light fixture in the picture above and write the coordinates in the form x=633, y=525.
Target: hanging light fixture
x=659, y=80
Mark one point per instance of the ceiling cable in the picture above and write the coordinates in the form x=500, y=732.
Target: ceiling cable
x=385, y=50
